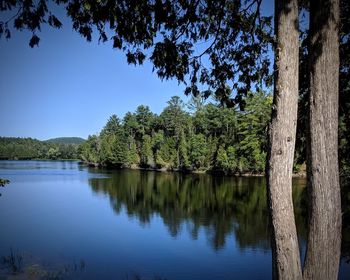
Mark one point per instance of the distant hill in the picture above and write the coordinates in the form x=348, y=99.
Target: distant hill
x=29, y=148
x=66, y=140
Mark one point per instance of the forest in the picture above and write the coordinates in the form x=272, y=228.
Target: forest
x=28, y=148
x=197, y=136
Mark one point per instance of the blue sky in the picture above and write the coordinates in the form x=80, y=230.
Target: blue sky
x=68, y=87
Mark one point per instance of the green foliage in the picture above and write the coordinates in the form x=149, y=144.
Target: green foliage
x=133, y=157
x=90, y=150
x=231, y=158
x=211, y=137
x=183, y=154
x=166, y=156
x=112, y=126
x=130, y=124
x=146, y=157
x=174, y=119
x=198, y=150
x=144, y=119
x=114, y=149
x=158, y=143
x=53, y=153
x=252, y=132
x=66, y=140
x=222, y=161
x=28, y=148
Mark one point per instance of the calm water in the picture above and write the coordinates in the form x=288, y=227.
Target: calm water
x=59, y=219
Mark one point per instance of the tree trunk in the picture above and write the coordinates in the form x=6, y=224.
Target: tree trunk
x=282, y=134
x=324, y=237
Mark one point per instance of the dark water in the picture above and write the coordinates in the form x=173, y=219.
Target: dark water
x=59, y=220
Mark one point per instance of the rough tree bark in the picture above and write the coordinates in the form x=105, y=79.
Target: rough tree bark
x=324, y=237
x=282, y=134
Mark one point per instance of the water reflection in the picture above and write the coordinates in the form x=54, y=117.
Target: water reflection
x=222, y=206
x=58, y=218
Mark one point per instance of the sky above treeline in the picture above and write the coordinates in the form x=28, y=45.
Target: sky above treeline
x=69, y=87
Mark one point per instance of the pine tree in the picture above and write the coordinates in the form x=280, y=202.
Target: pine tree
x=146, y=157
x=198, y=150
x=222, y=161
x=183, y=152
x=133, y=157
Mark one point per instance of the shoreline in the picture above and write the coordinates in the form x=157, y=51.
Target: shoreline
x=165, y=170
x=184, y=171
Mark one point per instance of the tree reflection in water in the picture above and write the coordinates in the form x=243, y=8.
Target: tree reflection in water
x=222, y=206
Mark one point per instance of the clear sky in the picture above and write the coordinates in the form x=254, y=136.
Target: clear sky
x=69, y=87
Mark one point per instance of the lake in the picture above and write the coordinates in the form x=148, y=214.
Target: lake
x=62, y=220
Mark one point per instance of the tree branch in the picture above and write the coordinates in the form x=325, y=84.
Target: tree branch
x=11, y=18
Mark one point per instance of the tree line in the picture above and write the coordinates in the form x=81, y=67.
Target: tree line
x=28, y=148
x=196, y=136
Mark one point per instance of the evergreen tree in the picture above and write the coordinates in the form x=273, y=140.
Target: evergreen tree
x=144, y=118
x=167, y=154
x=130, y=125
x=198, y=150
x=90, y=150
x=133, y=156
x=222, y=161
x=231, y=157
x=146, y=157
x=114, y=149
x=174, y=119
x=183, y=152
